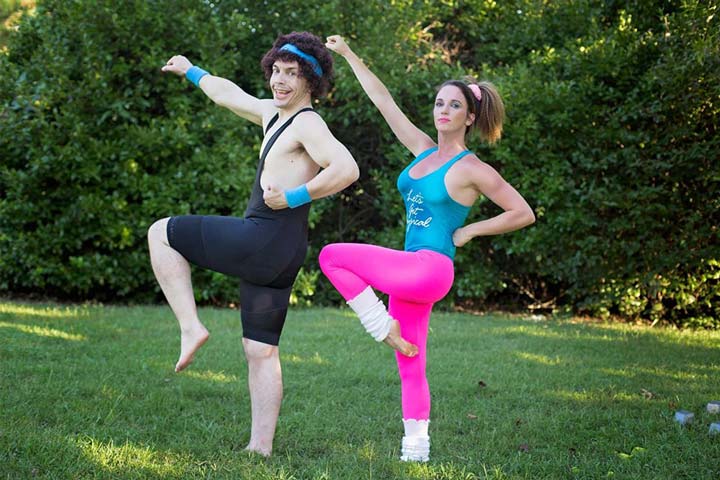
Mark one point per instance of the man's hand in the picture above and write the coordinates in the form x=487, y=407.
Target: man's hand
x=337, y=44
x=178, y=65
x=274, y=199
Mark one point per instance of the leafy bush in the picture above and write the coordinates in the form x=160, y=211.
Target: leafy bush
x=611, y=136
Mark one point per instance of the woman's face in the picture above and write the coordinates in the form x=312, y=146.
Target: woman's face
x=451, y=110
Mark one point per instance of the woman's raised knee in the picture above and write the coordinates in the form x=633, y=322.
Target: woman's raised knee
x=327, y=256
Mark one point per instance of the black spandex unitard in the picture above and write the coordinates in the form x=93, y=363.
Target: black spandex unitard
x=265, y=250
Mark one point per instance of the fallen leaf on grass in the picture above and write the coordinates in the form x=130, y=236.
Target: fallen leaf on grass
x=635, y=451
x=482, y=384
x=524, y=447
x=647, y=394
x=471, y=416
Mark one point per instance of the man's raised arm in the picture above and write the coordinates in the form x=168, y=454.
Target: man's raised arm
x=221, y=90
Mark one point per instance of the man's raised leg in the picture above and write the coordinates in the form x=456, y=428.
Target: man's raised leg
x=173, y=274
x=266, y=391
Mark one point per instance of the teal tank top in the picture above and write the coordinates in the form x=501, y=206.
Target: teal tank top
x=431, y=214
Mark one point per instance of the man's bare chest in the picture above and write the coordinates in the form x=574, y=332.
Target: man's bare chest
x=285, y=152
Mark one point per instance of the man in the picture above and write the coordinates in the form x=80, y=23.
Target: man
x=266, y=248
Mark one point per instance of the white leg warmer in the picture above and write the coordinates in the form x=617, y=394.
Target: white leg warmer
x=372, y=313
x=416, y=442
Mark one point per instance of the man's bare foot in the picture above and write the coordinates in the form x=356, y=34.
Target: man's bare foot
x=260, y=451
x=190, y=341
x=395, y=340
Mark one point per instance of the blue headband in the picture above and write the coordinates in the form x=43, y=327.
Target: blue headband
x=309, y=58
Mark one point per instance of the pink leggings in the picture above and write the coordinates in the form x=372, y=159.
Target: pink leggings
x=414, y=281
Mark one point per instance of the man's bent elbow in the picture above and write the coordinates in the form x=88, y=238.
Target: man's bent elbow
x=350, y=174
x=354, y=173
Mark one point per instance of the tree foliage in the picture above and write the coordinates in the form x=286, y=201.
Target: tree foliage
x=611, y=136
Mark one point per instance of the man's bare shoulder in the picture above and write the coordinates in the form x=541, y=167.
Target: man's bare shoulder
x=268, y=109
x=311, y=117
x=310, y=125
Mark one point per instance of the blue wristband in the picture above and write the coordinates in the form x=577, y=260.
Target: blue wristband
x=298, y=196
x=194, y=74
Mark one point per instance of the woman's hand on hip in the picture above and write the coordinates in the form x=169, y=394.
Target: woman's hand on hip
x=460, y=237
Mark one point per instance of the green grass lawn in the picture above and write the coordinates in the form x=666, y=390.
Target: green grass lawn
x=90, y=392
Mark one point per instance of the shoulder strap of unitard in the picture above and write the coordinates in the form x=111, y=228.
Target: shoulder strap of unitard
x=272, y=122
x=279, y=131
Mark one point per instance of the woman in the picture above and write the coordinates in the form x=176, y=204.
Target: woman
x=438, y=188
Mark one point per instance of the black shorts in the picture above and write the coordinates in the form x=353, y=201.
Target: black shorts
x=265, y=252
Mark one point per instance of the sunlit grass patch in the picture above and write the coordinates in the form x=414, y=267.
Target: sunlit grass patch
x=316, y=359
x=39, y=311
x=114, y=458
x=220, y=377
x=542, y=359
x=43, y=331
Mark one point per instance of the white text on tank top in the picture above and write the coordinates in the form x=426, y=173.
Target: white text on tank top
x=414, y=211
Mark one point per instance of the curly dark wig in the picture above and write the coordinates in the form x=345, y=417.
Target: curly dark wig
x=310, y=44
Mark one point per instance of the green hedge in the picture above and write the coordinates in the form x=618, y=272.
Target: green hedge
x=611, y=136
